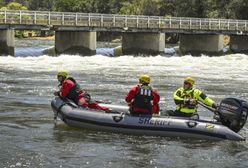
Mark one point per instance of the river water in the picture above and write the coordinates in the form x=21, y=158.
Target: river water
x=29, y=138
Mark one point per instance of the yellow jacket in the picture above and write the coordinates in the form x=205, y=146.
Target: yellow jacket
x=182, y=97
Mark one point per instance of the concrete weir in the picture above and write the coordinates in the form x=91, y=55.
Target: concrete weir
x=239, y=43
x=73, y=42
x=143, y=43
x=197, y=44
x=7, y=42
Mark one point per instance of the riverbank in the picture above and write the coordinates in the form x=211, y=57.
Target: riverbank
x=43, y=38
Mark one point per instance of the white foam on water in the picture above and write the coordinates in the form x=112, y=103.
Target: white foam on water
x=232, y=66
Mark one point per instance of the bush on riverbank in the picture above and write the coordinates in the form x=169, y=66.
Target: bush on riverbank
x=35, y=34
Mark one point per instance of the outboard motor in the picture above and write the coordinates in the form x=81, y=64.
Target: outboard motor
x=233, y=113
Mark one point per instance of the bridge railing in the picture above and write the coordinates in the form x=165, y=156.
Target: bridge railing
x=47, y=18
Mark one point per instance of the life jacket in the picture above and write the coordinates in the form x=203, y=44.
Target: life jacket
x=143, y=98
x=181, y=95
x=74, y=91
x=188, y=95
x=186, y=108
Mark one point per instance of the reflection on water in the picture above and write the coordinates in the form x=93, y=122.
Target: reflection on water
x=29, y=138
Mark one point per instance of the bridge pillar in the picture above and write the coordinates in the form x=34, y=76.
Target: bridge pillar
x=72, y=42
x=143, y=43
x=239, y=43
x=196, y=44
x=7, y=42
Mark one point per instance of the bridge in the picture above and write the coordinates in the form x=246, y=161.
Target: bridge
x=76, y=32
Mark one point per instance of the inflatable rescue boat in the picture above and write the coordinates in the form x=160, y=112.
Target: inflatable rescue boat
x=232, y=115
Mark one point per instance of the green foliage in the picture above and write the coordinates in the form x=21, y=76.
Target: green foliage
x=131, y=7
x=18, y=33
x=115, y=5
x=2, y=3
x=67, y=5
x=88, y=6
x=240, y=9
x=150, y=7
x=41, y=4
x=230, y=9
x=16, y=6
x=4, y=8
x=183, y=8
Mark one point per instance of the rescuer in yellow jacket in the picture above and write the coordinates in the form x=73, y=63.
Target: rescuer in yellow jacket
x=186, y=99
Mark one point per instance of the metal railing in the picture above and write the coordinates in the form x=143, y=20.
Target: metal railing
x=50, y=19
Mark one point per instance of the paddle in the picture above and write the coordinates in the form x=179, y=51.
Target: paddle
x=207, y=107
x=102, y=101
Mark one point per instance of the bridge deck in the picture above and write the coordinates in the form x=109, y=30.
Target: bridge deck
x=109, y=22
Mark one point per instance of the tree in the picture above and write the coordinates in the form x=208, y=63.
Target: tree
x=2, y=3
x=85, y=6
x=230, y=9
x=182, y=8
x=14, y=6
x=140, y=7
x=167, y=7
x=100, y=6
x=115, y=6
x=131, y=7
x=193, y=8
x=41, y=4
x=239, y=9
x=150, y=7
x=199, y=10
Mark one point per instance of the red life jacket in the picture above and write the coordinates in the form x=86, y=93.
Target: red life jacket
x=74, y=91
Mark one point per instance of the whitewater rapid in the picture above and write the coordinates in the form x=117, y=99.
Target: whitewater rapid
x=29, y=137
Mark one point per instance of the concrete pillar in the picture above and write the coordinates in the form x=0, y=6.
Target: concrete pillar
x=196, y=44
x=7, y=42
x=72, y=42
x=239, y=43
x=143, y=43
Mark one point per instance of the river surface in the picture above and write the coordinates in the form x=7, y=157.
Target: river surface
x=29, y=138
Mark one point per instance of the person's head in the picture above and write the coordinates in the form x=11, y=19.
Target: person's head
x=188, y=83
x=62, y=75
x=144, y=79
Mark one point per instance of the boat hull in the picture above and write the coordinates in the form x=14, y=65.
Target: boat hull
x=123, y=122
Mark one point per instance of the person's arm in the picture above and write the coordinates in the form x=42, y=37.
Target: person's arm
x=156, y=97
x=56, y=93
x=176, y=96
x=200, y=96
x=66, y=86
x=131, y=95
x=155, y=101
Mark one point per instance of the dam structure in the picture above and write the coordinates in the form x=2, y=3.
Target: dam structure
x=75, y=33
